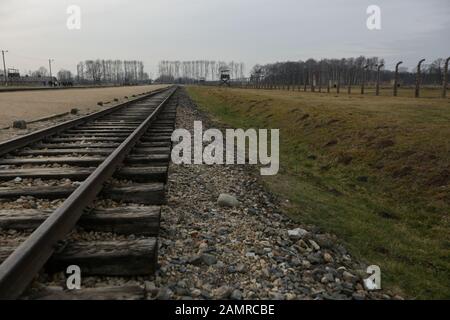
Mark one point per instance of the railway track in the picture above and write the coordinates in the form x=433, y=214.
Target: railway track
x=104, y=173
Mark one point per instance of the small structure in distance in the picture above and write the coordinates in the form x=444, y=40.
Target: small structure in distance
x=225, y=76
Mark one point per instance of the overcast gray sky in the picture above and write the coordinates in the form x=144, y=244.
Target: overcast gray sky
x=252, y=31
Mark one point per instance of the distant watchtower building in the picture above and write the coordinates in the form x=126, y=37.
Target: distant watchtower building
x=225, y=76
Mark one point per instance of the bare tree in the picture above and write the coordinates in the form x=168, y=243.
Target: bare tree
x=192, y=71
x=64, y=75
x=111, y=71
x=41, y=72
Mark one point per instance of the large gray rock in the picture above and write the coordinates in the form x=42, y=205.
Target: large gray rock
x=206, y=259
x=223, y=292
x=276, y=296
x=164, y=294
x=349, y=277
x=209, y=259
x=297, y=234
x=227, y=200
x=20, y=124
x=236, y=295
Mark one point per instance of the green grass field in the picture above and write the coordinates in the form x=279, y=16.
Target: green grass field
x=373, y=170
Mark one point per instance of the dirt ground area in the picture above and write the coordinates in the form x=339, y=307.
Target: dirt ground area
x=30, y=105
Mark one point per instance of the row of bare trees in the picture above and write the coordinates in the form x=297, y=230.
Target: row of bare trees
x=348, y=72
x=111, y=72
x=193, y=71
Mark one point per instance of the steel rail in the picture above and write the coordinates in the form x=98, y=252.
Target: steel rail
x=19, y=269
x=22, y=141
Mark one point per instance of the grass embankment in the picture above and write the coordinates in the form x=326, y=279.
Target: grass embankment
x=373, y=170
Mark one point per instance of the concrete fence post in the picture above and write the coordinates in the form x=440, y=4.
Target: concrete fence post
x=396, y=78
x=417, y=91
x=445, y=79
x=363, y=80
x=377, y=91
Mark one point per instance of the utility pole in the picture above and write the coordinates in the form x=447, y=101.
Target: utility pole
x=396, y=78
x=50, y=67
x=4, y=67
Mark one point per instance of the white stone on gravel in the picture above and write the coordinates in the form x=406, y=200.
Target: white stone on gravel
x=314, y=245
x=227, y=200
x=297, y=234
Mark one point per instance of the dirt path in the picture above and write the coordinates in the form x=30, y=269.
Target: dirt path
x=31, y=105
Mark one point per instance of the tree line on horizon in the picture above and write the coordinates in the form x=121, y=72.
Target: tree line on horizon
x=346, y=71
x=110, y=71
x=194, y=71
x=98, y=71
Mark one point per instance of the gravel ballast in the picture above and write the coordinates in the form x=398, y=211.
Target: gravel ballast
x=249, y=251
